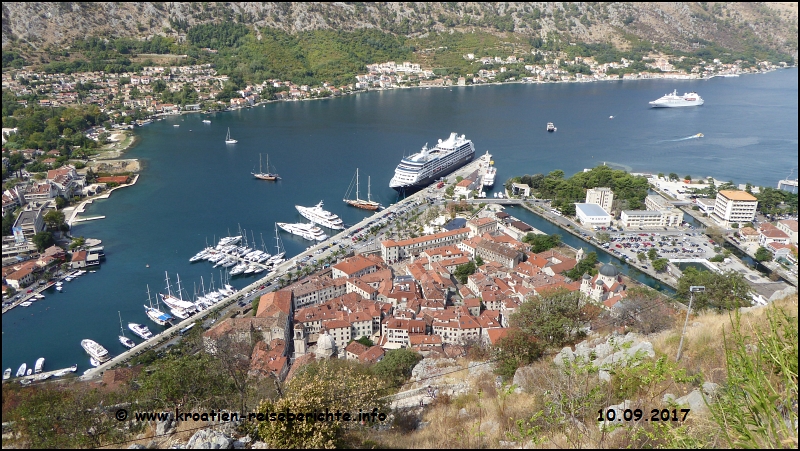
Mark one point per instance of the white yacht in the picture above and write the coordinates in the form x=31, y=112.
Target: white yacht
x=674, y=100
x=307, y=231
x=96, y=351
x=156, y=315
x=488, y=170
x=7, y=374
x=427, y=165
x=39, y=365
x=319, y=216
x=142, y=331
x=229, y=240
x=22, y=369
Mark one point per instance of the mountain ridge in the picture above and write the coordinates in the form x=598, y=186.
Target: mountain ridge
x=681, y=25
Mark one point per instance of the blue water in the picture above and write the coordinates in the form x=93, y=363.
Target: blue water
x=194, y=187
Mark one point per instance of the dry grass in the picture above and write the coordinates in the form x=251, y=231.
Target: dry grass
x=487, y=415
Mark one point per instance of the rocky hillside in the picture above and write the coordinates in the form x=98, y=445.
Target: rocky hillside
x=681, y=25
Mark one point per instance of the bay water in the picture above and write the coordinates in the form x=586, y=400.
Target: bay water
x=194, y=188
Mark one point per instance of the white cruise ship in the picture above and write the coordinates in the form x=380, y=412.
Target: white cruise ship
x=488, y=171
x=427, y=165
x=307, y=231
x=319, y=216
x=97, y=352
x=674, y=100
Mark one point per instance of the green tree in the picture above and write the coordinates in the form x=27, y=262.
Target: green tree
x=60, y=202
x=603, y=237
x=365, y=341
x=641, y=256
x=53, y=219
x=660, y=264
x=556, y=318
x=652, y=254
x=687, y=177
x=586, y=266
x=724, y=291
x=463, y=271
x=515, y=350
x=763, y=254
x=395, y=367
x=43, y=240
x=478, y=260
x=645, y=310
x=541, y=243
x=318, y=387
x=673, y=176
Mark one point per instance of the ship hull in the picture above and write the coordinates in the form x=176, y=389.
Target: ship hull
x=436, y=176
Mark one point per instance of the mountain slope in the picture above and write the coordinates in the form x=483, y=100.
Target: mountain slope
x=680, y=25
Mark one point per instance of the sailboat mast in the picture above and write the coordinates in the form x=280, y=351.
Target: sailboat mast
x=369, y=188
x=357, y=198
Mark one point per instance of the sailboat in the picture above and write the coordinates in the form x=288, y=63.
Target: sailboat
x=127, y=342
x=156, y=315
x=228, y=139
x=265, y=175
x=368, y=204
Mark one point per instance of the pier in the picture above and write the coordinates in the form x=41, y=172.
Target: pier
x=44, y=375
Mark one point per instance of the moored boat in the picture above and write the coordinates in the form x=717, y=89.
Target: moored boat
x=7, y=374
x=39, y=365
x=318, y=215
x=304, y=230
x=141, y=331
x=427, y=165
x=95, y=350
x=368, y=204
x=22, y=369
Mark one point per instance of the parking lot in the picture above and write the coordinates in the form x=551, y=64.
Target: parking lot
x=673, y=245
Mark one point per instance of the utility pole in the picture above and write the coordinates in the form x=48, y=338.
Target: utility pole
x=692, y=290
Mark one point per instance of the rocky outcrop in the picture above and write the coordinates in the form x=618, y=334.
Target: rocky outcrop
x=209, y=439
x=615, y=351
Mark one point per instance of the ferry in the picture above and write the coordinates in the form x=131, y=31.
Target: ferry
x=427, y=165
x=488, y=170
x=674, y=100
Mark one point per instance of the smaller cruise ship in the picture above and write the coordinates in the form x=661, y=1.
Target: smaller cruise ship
x=307, y=231
x=96, y=351
x=318, y=215
x=674, y=100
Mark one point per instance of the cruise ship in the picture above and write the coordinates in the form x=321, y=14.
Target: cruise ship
x=97, y=352
x=674, y=100
x=307, y=231
x=319, y=216
x=488, y=171
x=427, y=165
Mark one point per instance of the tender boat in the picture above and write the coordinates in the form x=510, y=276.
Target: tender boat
x=551, y=127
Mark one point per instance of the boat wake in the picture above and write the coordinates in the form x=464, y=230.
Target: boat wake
x=697, y=136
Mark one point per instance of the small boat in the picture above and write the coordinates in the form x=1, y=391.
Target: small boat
x=26, y=304
x=127, y=342
x=64, y=372
x=206, y=121
x=39, y=365
x=551, y=127
x=59, y=288
x=271, y=176
x=7, y=374
x=176, y=125
x=94, y=362
x=699, y=135
x=29, y=371
x=22, y=369
x=228, y=139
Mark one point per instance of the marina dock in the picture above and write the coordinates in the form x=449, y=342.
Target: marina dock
x=44, y=375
